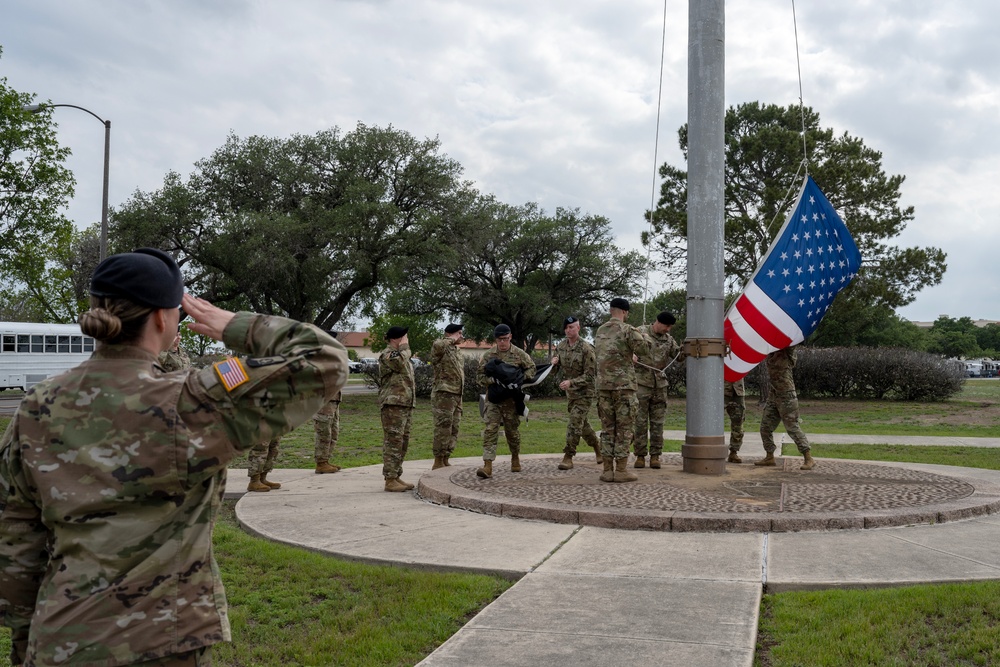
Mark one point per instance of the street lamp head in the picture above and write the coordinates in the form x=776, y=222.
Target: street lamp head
x=33, y=108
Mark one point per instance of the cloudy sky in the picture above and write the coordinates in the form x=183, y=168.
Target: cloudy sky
x=551, y=101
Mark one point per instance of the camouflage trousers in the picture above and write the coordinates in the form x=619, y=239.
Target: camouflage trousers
x=736, y=408
x=261, y=457
x=617, y=409
x=447, y=410
x=579, y=426
x=494, y=416
x=649, y=419
x=200, y=657
x=326, y=424
x=396, y=421
x=782, y=407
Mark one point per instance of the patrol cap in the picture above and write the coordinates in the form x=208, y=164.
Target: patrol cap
x=452, y=328
x=146, y=276
x=501, y=330
x=620, y=303
x=568, y=321
x=666, y=317
x=395, y=332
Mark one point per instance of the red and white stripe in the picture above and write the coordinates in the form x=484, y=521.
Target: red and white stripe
x=755, y=326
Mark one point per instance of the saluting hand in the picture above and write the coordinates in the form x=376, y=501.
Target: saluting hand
x=209, y=320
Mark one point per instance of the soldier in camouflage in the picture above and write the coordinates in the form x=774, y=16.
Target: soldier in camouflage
x=651, y=390
x=326, y=425
x=615, y=344
x=578, y=371
x=260, y=462
x=782, y=406
x=396, y=398
x=111, y=474
x=736, y=407
x=174, y=358
x=446, y=393
x=503, y=413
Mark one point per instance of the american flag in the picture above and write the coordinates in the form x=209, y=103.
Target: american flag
x=810, y=261
x=231, y=373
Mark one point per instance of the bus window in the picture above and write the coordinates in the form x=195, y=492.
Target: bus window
x=64, y=344
x=8, y=343
x=50, y=344
x=77, y=344
x=22, y=343
x=88, y=344
x=36, y=343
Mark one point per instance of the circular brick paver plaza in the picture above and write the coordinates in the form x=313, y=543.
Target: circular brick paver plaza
x=835, y=495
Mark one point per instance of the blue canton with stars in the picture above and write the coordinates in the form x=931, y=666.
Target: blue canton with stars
x=813, y=258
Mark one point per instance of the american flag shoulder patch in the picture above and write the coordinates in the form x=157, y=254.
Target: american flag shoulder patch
x=231, y=373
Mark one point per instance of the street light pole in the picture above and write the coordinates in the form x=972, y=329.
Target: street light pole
x=37, y=108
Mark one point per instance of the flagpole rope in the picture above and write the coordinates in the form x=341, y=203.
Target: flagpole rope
x=802, y=110
x=656, y=146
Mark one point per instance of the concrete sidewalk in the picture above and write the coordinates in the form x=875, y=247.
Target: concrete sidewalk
x=598, y=596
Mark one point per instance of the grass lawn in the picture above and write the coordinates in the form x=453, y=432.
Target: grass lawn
x=290, y=606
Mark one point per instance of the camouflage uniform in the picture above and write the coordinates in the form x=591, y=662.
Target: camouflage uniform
x=260, y=458
x=578, y=364
x=736, y=408
x=446, y=394
x=502, y=413
x=651, y=392
x=174, y=360
x=614, y=345
x=326, y=424
x=111, y=476
x=782, y=404
x=396, y=398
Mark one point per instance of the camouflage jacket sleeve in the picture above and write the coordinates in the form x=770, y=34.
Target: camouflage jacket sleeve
x=640, y=344
x=481, y=379
x=438, y=350
x=23, y=547
x=588, y=377
x=292, y=370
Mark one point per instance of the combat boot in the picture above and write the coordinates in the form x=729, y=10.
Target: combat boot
x=767, y=460
x=567, y=462
x=808, y=463
x=609, y=470
x=486, y=471
x=515, y=463
x=406, y=484
x=323, y=467
x=256, y=485
x=621, y=473
x=654, y=461
x=640, y=462
x=444, y=460
x=264, y=480
x=597, y=452
x=438, y=462
x=734, y=457
x=395, y=485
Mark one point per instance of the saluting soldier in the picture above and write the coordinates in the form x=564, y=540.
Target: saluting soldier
x=111, y=474
x=396, y=398
x=578, y=369
x=446, y=393
x=174, y=358
x=615, y=343
x=782, y=406
x=651, y=391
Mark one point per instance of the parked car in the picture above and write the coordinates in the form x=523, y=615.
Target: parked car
x=354, y=366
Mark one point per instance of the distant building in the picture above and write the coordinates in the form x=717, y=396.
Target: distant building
x=978, y=323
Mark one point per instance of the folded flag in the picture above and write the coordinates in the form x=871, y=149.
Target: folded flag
x=810, y=261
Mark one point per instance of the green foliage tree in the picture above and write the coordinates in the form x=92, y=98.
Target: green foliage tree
x=519, y=266
x=673, y=301
x=311, y=227
x=988, y=338
x=763, y=154
x=954, y=337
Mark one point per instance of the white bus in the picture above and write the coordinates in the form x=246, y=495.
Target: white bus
x=31, y=352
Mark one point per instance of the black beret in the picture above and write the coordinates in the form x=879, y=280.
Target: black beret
x=395, y=332
x=147, y=276
x=452, y=328
x=568, y=321
x=666, y=317
x=501, y=330
x=620, y=303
